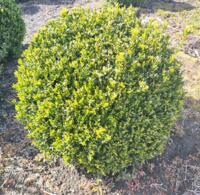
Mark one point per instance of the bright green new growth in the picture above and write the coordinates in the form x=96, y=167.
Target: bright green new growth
x=99, y=89
x=12, y=28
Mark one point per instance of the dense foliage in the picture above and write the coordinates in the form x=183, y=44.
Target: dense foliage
x=99, y=89
x=12, y=28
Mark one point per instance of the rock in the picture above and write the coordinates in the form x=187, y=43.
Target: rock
x=8, y=183
x=32, y=190
x=30, y=180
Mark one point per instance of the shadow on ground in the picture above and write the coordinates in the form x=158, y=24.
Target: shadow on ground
x=171, y=5
x=154, y=5
x=30, y=7
x=46, y=2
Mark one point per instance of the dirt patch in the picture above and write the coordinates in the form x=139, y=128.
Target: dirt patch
x=193, y=48
x=37, y=13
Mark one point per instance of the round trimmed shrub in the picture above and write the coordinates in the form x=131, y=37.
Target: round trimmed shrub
x=99, y=89
x=12, y=28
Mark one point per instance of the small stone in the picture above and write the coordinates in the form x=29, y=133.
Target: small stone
x=32, y=190
x=30, y=180
x=8, y=183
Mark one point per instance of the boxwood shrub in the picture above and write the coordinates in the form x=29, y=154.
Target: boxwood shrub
x=99, y=89
x=12, y=28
